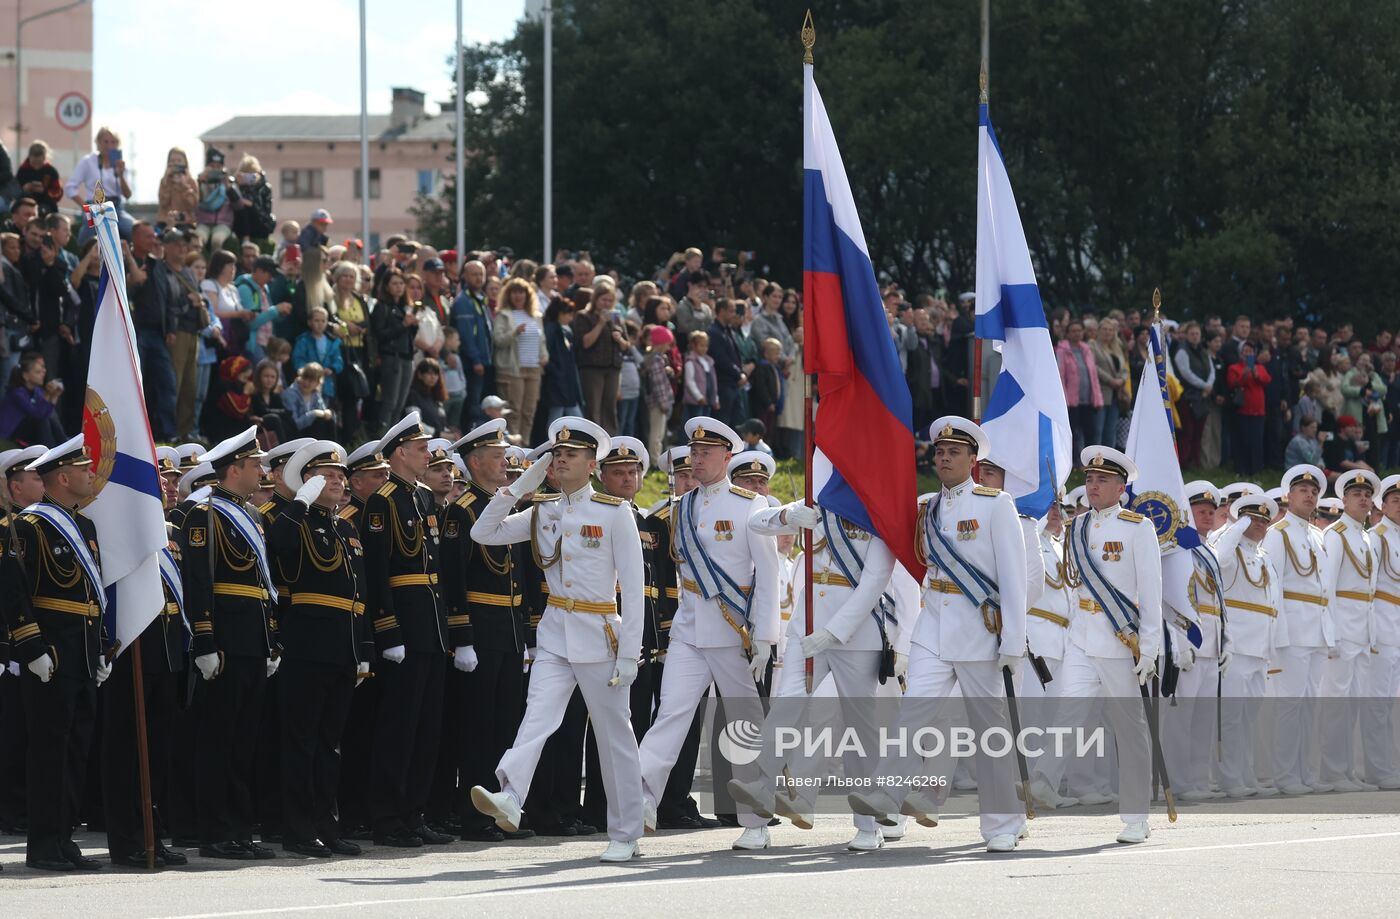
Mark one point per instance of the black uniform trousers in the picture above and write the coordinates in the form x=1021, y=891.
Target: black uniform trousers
x=227, y=709
x=495, y=706
x=315, y=701
x=442, y=795
x=267, y=781
x=182, y=790
x=14, y=742
x=641, y=698
x=60, y=714
x=121, y=770
x=406, y=735
x=553, y=801
x=357, y=751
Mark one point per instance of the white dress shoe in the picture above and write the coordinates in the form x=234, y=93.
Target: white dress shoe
x=648, y=814
x=866, y=841
x=1092, y=799
x=796, y=811
x=877, y=804
x=757, y=794
x=1322, y=787
x=922, y=808
x=1195, y=794
x=1048, y=797
x=619, y=851
x=499, y=805
x=1137, y=831
x=1265, y=791
x=753, y=839
x=1345, y=786
x=896, y=832
x=1388, y=784
x=965, y=784
x=1299, y=789
x=1366, y=786
x=1240, y=791
x=1003, y=842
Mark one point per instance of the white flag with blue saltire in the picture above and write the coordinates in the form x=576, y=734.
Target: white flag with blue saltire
x=1026, y=419
x=127, y=509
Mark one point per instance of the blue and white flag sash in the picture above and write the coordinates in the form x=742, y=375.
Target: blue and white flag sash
x=839, y=547
x=1121, y=611
x=974, y=584
x=714, y=582
x=248, y=527
x=68, y=527
x=170, y=574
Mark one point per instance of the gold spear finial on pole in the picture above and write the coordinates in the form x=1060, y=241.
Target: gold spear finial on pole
x=98, y=195
x=809, y=37
x=1156, y=305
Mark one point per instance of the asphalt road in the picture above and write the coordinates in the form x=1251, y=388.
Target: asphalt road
x=1207, y=864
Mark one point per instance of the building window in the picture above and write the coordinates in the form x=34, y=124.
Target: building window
x=373, y=184
x=427, y=181
x=303, y=183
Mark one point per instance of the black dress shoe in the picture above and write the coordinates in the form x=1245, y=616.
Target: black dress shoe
x=709, y=823
x=230, y=850
x=584, y=829
x=398, y=840
x=135, y=860
x=76, y=858
x=521, y=834
x=271, y=838
x=490, y=833
x=311, y=849
x=430, y=836
x=343, y=847
x=729, y=820
x=185, y=842
x=360, y=834
x=171, y=857
x=51, y=864
x=259, y=851
x=681, y=822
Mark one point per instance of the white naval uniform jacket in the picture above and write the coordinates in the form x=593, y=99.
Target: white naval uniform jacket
x=1124, y=545
x=1252, y=594
x=1048, y=619
x=844, y=611
x=1294, y=547
x=1205, y=607
x=722, y=514
x=1349, y=581
x=599, y=555
x=1385, y=538
x=984, y=529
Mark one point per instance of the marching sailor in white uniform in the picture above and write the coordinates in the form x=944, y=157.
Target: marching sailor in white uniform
x=1382, y=764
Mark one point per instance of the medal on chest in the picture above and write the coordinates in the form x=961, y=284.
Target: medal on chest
x=1112, y=551
x=591, y=534
x=724, y=530
x=967, y=529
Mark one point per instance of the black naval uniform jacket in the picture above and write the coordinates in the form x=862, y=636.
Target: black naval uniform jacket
x=482, y=587
x=323, y=561
x=401, y=537
x=662, y=588
x=353, y=513
x=228, y=606
x=53, y=605
x=163, y=641
x=270, y=511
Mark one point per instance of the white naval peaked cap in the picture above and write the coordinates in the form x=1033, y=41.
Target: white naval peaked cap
x=282, y=453
x=72, y=452
x=235, y=448
x=574, y=433
x=1076, y=497
x=702, y=429
x=627, y=449
x=1107, y=459
x=1304, y=473
x=408, y=428
x=1261, y=506
x=490, y=434
x=674, y=459
x=366, y=457
x=517, y=459
x=1234, y=490
x=310, y=456
x=1388, y=484
x=752, y=462
x=1201, y=490
x=167, y=460
x=1356, y=478
x=193, y=478
x=20, y=457
x=960, y=430
x=190, y=455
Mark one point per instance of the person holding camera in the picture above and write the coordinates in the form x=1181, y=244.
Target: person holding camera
x=601, y=344
x=38, y=178
x=179, y=193
x=213, y=215
x=105, y=166
x=1247, y=379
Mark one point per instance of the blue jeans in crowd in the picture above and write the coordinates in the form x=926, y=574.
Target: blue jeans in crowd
x=478, y=388
x=627, y=416
x=158, y=376
x=1106, y=422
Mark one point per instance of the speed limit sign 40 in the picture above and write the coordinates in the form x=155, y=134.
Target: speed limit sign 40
x=73, y=111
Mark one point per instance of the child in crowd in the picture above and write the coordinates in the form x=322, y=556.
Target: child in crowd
x=658, y=384
x=629, y=381
x=452, y=376
x=287, y=236
x=315, y=346
x=701, y=384
x=311, y=417
x=752, y=432
x=1305, y=447
x=266, y=409
x=279, y=351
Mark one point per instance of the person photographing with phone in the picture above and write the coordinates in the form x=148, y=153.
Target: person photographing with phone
x=105, y=166
x=1246, y=379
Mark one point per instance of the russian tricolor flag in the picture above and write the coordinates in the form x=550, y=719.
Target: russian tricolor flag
x=864, y=467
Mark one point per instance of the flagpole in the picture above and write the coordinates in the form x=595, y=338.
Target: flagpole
x=982, y=82
x=808, y=36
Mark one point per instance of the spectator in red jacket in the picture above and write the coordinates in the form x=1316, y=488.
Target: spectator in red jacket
x=1246, y=379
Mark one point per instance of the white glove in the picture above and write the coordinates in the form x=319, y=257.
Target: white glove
x=42, y=667
x=104, y=669
x=272, y=664
x=901, y=665
x=464, y=658
x=395, y=654
x=12, y=669
x=762, y=650
x=1011, y=662
x=208, y=665
x=528, y=659
x=817, y=642
x=1184, y=658
x=531, y=478
x=801, y=515
x=1145, y=668
x=361, y=671
x=311, y=489
x=1225, y=657
x=626, y=673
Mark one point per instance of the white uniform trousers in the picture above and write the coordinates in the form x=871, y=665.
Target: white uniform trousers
x=1345, y=680
x=1082, y=680
x=1188, y=726
x=1241, y=709
x=1377, y=726
x=931, y=683
x=1035, y=696
x=688, y=675
x=1295, y=687
x=552, y=682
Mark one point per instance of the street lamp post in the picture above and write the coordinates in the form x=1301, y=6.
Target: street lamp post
x=461, y=135
x=364, y=135
x=548, y=132
x=20, y=23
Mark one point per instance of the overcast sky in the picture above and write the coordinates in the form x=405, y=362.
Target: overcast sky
x=165, y=71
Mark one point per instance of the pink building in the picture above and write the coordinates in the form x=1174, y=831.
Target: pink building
x=56, y=54
x=313, y=161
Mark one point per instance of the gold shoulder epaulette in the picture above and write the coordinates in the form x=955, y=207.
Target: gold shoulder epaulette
x=29, y=518
x=1130, y=516
x=1378, y=529
x=466, y=501
x=1281, y=525
x=664, y=513
x=1339, y=526
x=743, y=492
x=607, y=499
x=387, y=489
x=538, y=497
x=266, y=508
x=986, y=490
x=348, y=511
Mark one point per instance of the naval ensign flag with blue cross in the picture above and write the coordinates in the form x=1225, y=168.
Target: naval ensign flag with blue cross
x=127, y=509
x=1026, y=418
